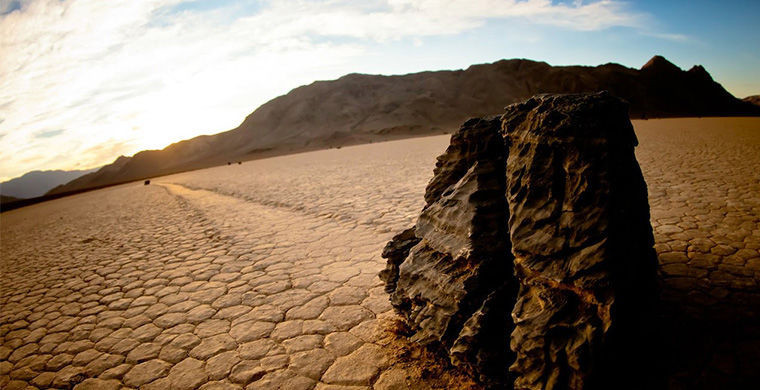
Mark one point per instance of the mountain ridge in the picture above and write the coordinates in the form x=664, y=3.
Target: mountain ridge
x=37, y=183
x=358, y=108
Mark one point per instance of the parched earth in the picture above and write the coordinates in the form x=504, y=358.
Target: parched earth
x=263, y=275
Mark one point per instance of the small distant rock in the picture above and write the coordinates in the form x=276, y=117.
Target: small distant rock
x=147, y=182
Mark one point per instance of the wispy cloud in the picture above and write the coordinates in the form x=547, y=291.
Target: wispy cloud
x=142, y=74
x=8, y=6
x=668, y=36
x=48, y=133
x=396, y=19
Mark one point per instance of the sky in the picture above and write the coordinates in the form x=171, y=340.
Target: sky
x=84, y=81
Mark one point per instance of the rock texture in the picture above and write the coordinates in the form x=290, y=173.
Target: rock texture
x=547, y=199
x=583, y=245
x=395, y=252
x=453, y=287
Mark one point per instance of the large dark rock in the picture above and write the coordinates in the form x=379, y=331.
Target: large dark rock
x=547, y=199
x=583, y=245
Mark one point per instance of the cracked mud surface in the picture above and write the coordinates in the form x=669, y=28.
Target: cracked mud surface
x=265, y=274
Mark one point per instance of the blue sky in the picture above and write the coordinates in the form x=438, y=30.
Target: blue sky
x=83, y=81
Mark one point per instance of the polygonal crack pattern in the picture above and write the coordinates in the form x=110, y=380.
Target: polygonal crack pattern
x=161, y=297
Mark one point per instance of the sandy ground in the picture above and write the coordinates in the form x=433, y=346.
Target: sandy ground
x=264, y=274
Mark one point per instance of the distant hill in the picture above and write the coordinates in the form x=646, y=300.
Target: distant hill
x=754, y=99
x=37, y=183
x=359, y=108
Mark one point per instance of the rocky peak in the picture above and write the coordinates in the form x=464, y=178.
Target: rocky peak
x=660, y=65
x=699, y=71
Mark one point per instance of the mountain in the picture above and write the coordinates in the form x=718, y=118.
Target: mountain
x=754, y=99
x=37, y=183
x=359, y=108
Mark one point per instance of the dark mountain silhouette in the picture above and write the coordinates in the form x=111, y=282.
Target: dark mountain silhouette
x=37, y=183
x=359, y=108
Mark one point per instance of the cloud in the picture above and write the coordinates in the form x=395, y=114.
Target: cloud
x=143, y=74
x=8, y=6
x=98, y=154
x=32, y=158
x=48, y=133
x=396, y=19
x=668, y=36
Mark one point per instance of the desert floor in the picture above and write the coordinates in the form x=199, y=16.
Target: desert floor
x=265, y=274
